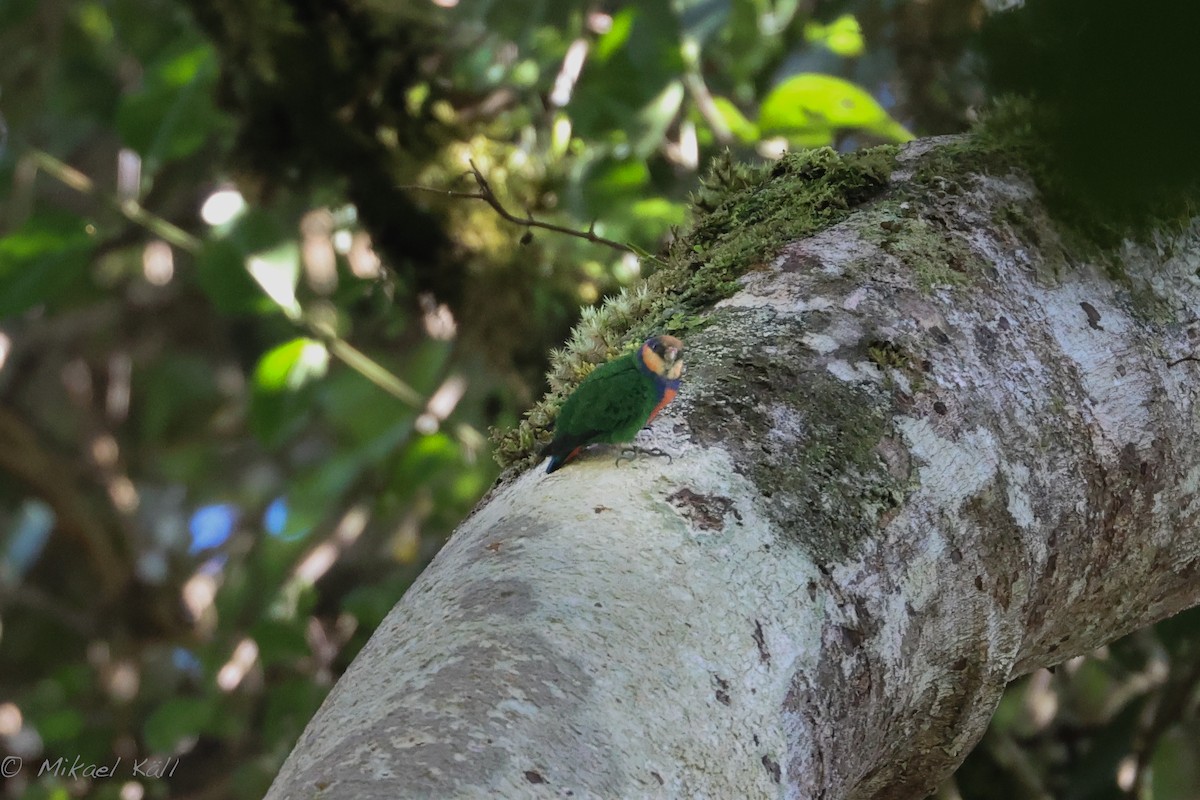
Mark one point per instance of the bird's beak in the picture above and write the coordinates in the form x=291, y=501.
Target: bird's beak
x=672, y=354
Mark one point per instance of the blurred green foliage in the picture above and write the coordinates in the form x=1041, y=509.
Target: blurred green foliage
x=249, y=344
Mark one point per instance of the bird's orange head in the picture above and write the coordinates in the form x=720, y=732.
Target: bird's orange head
x=663, y=355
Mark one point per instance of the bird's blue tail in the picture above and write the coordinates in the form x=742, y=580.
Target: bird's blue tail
x=559, y=460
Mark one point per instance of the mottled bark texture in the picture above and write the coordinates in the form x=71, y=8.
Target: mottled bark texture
x=916, y=455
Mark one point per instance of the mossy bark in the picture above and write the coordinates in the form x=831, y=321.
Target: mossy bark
x=922, y=448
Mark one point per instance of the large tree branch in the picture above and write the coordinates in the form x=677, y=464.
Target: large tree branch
x=921, y=453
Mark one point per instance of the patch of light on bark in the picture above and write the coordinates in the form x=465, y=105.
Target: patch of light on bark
x=820, y=343
x=1020, y=504
x=952, y=470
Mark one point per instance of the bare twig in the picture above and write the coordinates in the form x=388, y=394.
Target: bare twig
x=488, y=196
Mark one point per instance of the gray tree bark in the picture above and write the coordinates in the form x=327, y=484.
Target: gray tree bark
x=921, y=453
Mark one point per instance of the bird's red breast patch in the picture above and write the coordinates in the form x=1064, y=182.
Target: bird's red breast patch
x=667, y=396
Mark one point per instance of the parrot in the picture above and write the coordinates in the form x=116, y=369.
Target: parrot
x=617, y=399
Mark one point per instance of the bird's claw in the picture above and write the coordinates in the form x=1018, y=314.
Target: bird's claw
x=631, y=454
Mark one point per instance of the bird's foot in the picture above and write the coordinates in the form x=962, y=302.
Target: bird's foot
x=632, y=453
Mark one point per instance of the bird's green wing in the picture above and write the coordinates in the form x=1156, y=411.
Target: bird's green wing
x=610, y=405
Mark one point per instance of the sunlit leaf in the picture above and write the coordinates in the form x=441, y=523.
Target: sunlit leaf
x=812, y=103
x=277, y=271
x=660, y=210
x=290, y=365
x=843, y=36
x=652, y=217
x=191, y=65
x=560, y=135
x=276, y=410
x=745, y=130
x=616, y=36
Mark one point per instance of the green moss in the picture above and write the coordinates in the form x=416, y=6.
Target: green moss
x=892, y=357
x=840, y=481
x=745, y=215
x=828, y=489
x=889, y=355
x=937, y=257
x=796, y=197
x=1074, y=228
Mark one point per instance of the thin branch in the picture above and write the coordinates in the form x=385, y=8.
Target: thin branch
x=370, y=369
x=696, y=86
x=488, y=196
x=354, y=358
x=132, y=209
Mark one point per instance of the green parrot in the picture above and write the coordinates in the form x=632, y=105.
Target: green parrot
x=617, y=399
